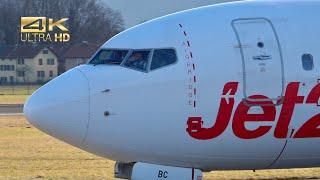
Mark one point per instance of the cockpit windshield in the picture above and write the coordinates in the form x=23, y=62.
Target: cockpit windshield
x=144, y=60
x=109, y=57
x=138, y=60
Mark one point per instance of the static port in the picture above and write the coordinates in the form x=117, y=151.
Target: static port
x=107, y=113
x=260, y=44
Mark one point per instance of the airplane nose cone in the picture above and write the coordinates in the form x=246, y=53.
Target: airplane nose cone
x=61, y=107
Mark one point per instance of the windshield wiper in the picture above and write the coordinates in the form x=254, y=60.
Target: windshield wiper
x=114, y=62
x=106, y=62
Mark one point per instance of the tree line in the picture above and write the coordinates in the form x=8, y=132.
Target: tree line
x=89, y=20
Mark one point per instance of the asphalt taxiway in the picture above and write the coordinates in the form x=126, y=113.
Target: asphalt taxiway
x=11, y=109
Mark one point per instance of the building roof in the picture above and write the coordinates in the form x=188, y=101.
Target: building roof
x=24, y=52
x=12, y=52
x=81, y=50
x=58, y=50
x=4, y=51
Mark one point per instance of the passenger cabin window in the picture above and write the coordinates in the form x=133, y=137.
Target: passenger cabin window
x=163, y=57
x=138, y=60
x=109, y=57
x=307, y=62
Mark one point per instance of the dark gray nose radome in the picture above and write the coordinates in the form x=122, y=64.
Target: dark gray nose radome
x=61, y=107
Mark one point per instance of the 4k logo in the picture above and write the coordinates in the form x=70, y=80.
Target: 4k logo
x=40, y=29
x=41, y=25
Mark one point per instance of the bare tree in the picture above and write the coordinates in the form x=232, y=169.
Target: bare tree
x=89, y=20
x=93, y=21
x=9, y=20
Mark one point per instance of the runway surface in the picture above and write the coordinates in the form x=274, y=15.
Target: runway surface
x=11, y=109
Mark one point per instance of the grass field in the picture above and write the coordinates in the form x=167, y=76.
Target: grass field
x=26, y=153
x=18, y=90
x=16, y=94
x=13, y=99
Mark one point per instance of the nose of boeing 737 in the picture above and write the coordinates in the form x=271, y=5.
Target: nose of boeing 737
x=61, y=107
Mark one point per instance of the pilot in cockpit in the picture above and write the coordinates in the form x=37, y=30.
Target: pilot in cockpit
x=137, y=56
x=137, y=61
x=117, y=56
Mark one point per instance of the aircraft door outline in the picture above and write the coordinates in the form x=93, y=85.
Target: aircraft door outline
x=261, y=55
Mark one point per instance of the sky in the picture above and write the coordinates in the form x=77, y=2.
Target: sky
x=137, y=11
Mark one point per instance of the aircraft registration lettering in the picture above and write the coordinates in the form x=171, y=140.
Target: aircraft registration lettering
x=241, y=115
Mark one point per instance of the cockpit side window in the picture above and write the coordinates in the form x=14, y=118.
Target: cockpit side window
x=107, y=56
x=163, y=57
x=138, y=60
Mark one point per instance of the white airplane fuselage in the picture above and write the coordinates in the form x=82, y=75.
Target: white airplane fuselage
x=244, y=93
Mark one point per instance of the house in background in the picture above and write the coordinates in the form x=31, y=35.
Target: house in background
x=7, y=66
x=59, y=52
x=79, y=54
x=38, y=64
x=28, y=64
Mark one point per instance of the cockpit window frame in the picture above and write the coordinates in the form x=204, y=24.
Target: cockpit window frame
x=176, y=62
x=110, y=49
x=149, y=60
x=130, y=51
